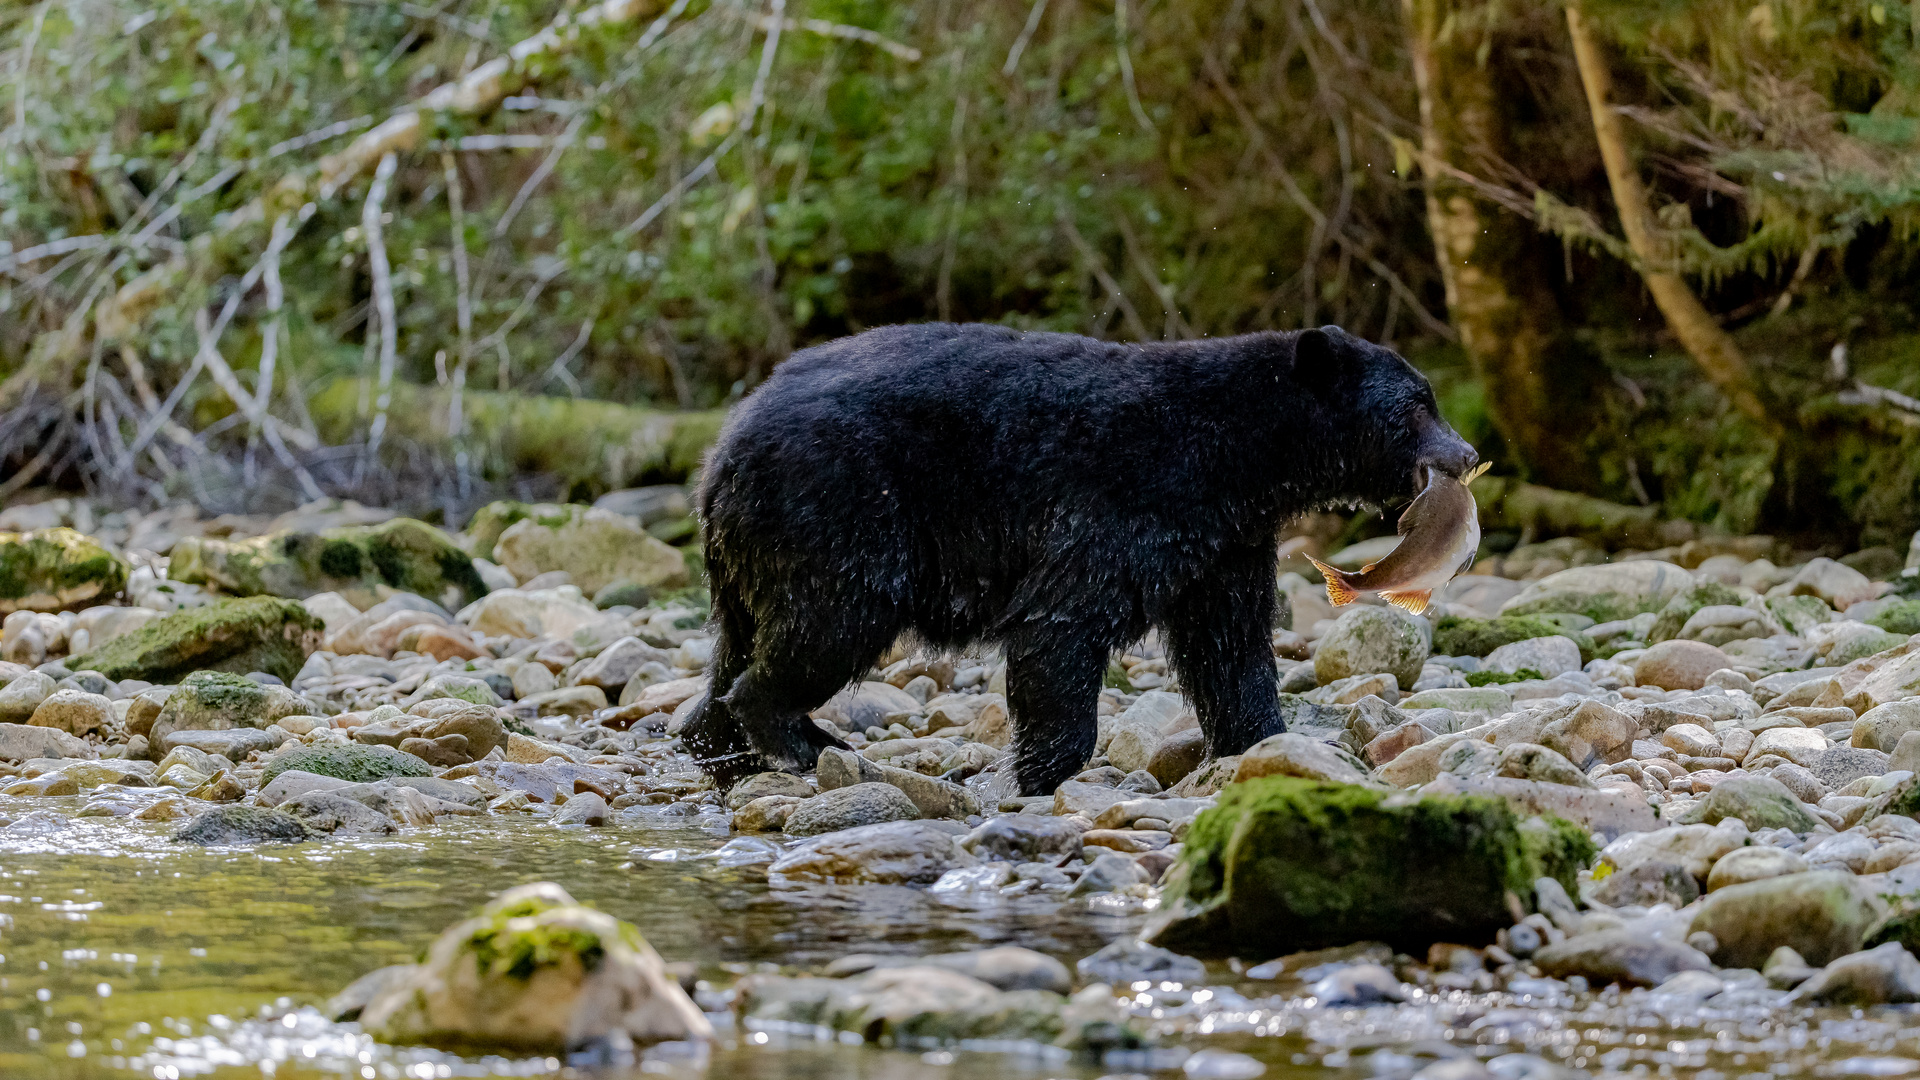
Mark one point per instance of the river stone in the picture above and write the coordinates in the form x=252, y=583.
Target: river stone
x=1368, y=640
x=234, y=744
x=1004, y=967
x=360, y=563
x=1842, y=765
x=73, y=711
x=617, y=664
x=1591, y=733
x=763, y=784
x=1675, y=613
x=1836, y=583
x=1127, y=961
x=1178, y=755
x=1289, y=754
x=358, y=764
x=56, y=569
x=888, y=853
x=21, y=742
x=1484, y=699
x=1647, y=884
x=862, y=804
x=929, y=1005
x=1530, y=761
x=595, y=547
x=294, y=782
x=1886, y=974
x=1609, y=813
x=20, y=697
x=536, y=973
x=218, y=701
x=1678, y=664
x=1550, y=656
x=1802, y=746
x=1603, y=593
x=586, y=808
x=1879, y=728
x=259, y=633
x=234, y=824
x=1025, y=838
x=1760, y=801
x=1283, y=864
x=1457, y=635
x=325, y=812
x=1625, y=956
x=1822, y=915
x=145, y=709
x=1753, y=864
x=1894, y=677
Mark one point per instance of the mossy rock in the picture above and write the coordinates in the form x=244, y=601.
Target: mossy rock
x=488, y=522
x=1605, y=593
x=1799, y=614
x=627, y=593
x=220, y=701
x=1899, y=618
x=360, y=764
x=359, y=562
x=225, y=826
x=1459, y=635
x=56, y=569
x=1673, y=617
x=1501, y=678
x=1283, y=865
x=257, y=633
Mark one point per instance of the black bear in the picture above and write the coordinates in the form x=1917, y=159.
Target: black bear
x=1049, y=493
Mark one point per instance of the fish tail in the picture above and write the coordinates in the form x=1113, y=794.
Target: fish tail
x=1410, y=600
x=1340, y=591
x=1476, y=471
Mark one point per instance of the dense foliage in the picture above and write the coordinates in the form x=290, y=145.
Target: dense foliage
x=659, y=208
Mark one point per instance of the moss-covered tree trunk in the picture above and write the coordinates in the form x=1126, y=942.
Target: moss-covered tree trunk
x=600, y=444
x=1492, y=262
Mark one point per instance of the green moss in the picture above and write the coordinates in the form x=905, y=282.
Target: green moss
x=340, y=558
x=1678, y=610
x=518, y=952
x=1501, y=678
x=1457, y=635
x=1284, y=864
x=257, y=633
x=1899, y=618
x=51, y=569
x=490, y=521
x=355, y=763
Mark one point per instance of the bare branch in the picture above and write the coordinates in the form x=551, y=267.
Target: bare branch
x=382, y=272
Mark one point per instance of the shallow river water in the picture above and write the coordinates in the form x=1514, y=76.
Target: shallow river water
x=122, y=954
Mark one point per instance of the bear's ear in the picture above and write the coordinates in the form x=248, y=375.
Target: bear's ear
x=1319, y=363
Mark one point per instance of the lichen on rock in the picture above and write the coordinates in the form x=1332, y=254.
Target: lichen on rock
x=362, y=563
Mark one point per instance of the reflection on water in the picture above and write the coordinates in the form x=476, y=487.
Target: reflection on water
x=124, y=952
x=123, y=955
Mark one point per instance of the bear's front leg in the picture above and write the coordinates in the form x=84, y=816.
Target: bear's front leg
x=1053, y=700
x=1219, y=634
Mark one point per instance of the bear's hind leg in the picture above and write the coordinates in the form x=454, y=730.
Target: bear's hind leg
x=1053, y=697
x=713, y=735
x=1219, y=634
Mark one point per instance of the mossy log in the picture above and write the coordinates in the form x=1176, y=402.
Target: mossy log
x=603, y=444
x=1506, y=503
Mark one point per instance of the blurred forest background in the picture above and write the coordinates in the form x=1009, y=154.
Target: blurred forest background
x=1661, y=255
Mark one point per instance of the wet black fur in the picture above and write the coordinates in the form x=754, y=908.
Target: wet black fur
x=1053, y=494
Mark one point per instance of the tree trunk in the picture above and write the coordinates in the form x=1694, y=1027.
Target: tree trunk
x=1712, y=348
x=1491, y=261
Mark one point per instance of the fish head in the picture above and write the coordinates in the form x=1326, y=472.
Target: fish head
x=1382, y=411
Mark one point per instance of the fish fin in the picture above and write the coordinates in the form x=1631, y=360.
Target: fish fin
x=1368, y=569
x=1339, y=592
x=1475, y=472
x=1411, y=600
x=1411, y=517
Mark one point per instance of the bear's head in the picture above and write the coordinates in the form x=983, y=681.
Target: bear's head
x=1380, y=422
